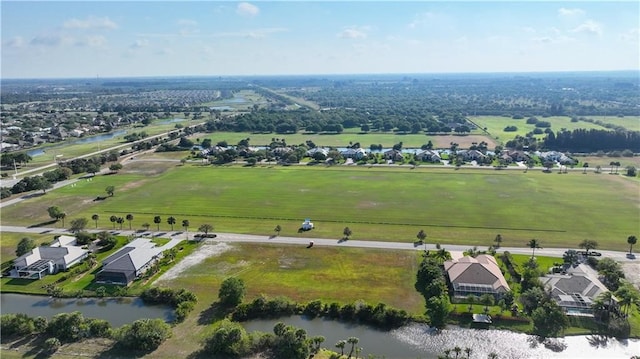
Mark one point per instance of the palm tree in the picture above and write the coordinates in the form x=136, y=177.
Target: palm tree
x=457, y=350
x=498, y=240
x=340, y=345
x=585, y=166
x=120, y=221
x=157, y=220
x=487, y=300
x=627, y=296
x=171, y=221
x=442, y=255
x=533, y=244
x=468, y=351
x=113, y=219
x=277, y=229
x=63, y=215
x=185, y=225
x=631, y=240
x=95, y=218
x=129, y=218
x=353, y=341
x=471, y=299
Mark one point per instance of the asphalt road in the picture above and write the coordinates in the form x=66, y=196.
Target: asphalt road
x=304, y=241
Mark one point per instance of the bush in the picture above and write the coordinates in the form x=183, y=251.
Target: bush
x=16, y=324
x=143, y=335
x=51, y=345
x=510, y=129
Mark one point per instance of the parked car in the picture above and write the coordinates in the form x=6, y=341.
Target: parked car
x=631, y=256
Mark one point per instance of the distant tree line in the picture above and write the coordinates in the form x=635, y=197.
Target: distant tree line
x=593, y=140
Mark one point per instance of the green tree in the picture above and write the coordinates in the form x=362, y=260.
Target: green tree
x=631, y=240
x=95, y=218
x=143, y=335
x=486, y=300
x=421, y=236
x=55, y=212
x=110, y=190
x=498, y=240
x=471, y=299
x=120, y=221
x=585, y=166
x=206, y=228
x=438, y=309
x=129, y=219
x=231, y=292
x=157, y=220
x=588, y=244
x=347, y=232
x=185, y=225
x=51, y=345
x=115, y=167
x=25, y=246
x=78, y=224
x=42, y=184
x=171, y=221
x=340, y=345
x=627, y=296
x=62, y=216
x=534, y=244
x=570, y=257
x=549, y=320
x=146, y=226
x=353, y=341
x=631, y=171
x=277, y=229
x=611, y=271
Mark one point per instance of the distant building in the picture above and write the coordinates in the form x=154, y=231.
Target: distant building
x=477, y=276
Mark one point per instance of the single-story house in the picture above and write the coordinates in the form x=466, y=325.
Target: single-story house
x=355, y=153
x=575, y=290
x=129, y=262
x=393, y=155
x=429, y=156
x=315, y=150
x=477, y=276
x=43, y=260
x=471, y=155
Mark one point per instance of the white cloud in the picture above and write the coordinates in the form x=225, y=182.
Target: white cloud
x=164, y=51
x=589, y=27
x=570, y=12
x=252, y=34
x=48, y=40
x=552, y=39
x=633, y=35
x=92, y=41
x=15, y=42
x=421, y=19
x=353, y=32
x=90, y=22
x=140, y=43
x=246, y=9
x=187, y=22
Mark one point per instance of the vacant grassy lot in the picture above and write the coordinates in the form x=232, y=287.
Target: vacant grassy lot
x=460, y=207
x=495, y=125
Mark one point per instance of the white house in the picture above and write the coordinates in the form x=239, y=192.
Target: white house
x=129, y=262
x=40, y=261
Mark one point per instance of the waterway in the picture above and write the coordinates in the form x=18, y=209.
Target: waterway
x=92, y=139
x=117, y=311
x=419, y=341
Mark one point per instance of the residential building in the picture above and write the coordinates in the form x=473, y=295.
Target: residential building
x=477, y=276
x=43, y=260
x=129, y=262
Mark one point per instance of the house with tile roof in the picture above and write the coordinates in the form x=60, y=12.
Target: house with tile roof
x=575, y=290
x=129, y=262
x=476, y=276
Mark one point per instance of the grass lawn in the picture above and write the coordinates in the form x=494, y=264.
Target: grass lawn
x=457, y=207
x=10, y=241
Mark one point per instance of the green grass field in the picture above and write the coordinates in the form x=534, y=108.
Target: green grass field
x=495, y=125
x=458, y=207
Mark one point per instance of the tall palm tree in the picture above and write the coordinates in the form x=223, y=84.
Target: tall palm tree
x=157, y=220
x=129, y=219
x=631, y=240
x=171, y=221
x=627, y=296
x=533, y=244
x=185, y=225
x=457, y=350
x=421, y=236
x=468, y=351
x=95, y=218
x=471, y=299
x=340, y=345
x=113, y=219
x=442, y=255
x=487, y=300
x=353, y=341
x=347, y=232
x=120, y=221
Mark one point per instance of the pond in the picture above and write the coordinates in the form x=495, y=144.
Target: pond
x=170, y=120
x=92, y=139
x=117, y=311
x=419, y=341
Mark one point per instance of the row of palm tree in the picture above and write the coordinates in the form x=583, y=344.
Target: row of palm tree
x=157, y=220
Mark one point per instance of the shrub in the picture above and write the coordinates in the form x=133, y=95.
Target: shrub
x=16, y=324
x=143, y=335
x=51, y=345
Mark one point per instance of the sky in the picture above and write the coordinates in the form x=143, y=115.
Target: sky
x=85, y=39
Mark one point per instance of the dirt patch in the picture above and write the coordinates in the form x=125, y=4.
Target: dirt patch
x=132, y=185
x=205, y=251
x=632, y=273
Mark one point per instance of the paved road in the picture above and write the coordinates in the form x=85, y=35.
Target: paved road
x=232, y=237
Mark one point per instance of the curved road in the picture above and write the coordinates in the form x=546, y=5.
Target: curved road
x=248, y=238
